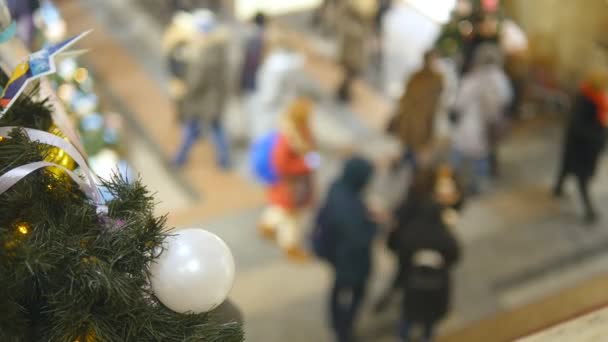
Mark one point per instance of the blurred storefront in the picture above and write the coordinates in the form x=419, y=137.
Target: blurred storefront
x=566, y=35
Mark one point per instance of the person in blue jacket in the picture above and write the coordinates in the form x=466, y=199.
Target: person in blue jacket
x=353, y=229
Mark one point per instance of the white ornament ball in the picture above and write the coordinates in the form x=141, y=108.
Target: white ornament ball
x=194, y=273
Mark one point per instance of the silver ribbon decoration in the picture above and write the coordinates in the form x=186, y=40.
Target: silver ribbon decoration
x=89, y=187
x=15, y=175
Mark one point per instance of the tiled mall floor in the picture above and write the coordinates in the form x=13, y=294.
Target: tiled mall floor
x=519, y=243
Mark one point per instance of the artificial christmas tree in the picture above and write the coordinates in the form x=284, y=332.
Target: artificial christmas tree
x=73, y=268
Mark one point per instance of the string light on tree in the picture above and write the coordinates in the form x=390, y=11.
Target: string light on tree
x=81, y=75
x=23, y=228
x=8, y=245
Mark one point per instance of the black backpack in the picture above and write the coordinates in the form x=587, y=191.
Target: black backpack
x=427, y=276
x=323, y=240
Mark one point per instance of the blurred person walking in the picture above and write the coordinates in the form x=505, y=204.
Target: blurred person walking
x=438, y=185
x=383, y=7
x=585, y=138
x=352, y=229
x=278, y=84
x=514, y=43
x=254, y=54
x=428, y=251
x=352, y=27
x=22, y=11
x=478, y=117
x=324, y=17
x=414, y=120
x=293, y=160
x=196, y=48
x=485, y=31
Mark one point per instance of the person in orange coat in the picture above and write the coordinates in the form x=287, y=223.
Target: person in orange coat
x=294, y=160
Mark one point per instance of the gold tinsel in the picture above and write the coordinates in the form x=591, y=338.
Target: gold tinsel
x=59, y=156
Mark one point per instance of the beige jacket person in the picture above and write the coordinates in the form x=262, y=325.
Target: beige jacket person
x=201, y=93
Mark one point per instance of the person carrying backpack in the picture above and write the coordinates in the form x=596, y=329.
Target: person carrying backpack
x=428, y=253
x=349, y=226
x=437, y=184
x=287, y=168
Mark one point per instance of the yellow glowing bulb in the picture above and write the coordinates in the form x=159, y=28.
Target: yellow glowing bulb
x=81, y=75
x=66, y=91
x=1, y=138
x=23, y=228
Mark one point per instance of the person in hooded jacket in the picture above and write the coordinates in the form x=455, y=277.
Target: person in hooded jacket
x=428, y=251
x=353, y=229
x=585, y=138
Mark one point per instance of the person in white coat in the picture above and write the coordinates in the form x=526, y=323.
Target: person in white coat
x=277, y=86
x=478, y=115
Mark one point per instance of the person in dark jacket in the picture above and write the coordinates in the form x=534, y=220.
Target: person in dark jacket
x=428, y=251
x=430, y=185
x=354, y=230
x=585, y=138
x=254, y=53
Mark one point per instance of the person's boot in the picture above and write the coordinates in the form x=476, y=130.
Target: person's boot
x=297, y=254
x=343, y=94
x=591, y=218
x=558, y=188
x=266, y=232
x=558, y=191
